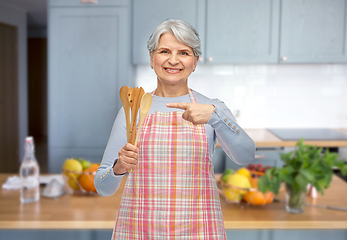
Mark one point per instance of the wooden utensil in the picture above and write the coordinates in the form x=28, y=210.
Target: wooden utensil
x=131, y=96
x=145, y=105
x=136, y=97
x=123, y=94
x=130, y=91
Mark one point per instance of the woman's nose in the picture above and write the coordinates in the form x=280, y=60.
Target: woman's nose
x=173, y=59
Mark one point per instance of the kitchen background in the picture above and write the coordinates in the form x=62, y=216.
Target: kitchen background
x=73, y=58
x=271, y=63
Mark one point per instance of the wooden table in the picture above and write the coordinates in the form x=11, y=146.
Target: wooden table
x=95, y=212
x=264, y=138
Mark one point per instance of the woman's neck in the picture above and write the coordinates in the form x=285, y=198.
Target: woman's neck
x=174, y=90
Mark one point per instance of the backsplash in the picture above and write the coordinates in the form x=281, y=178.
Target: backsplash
x=264, y=96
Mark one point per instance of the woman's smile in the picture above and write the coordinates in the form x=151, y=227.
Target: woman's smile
x=173, y=70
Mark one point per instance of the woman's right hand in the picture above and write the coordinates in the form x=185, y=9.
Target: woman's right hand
x=127, y=159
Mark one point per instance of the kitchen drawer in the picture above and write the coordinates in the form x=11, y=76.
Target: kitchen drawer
x=78, y=3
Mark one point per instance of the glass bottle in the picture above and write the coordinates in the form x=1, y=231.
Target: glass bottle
x=29, y=174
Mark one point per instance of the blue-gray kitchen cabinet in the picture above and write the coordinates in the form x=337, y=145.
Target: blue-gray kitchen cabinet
x=88, y=3
x=147, y=15
x=89, y=60
x=313, y=31
x=231, y=31
x=242, y=31
x=251, y=31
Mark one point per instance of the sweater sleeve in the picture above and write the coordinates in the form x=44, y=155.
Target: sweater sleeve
x=106, y=182
x=233, y=139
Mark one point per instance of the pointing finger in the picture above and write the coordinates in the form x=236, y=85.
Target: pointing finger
x=183, y=106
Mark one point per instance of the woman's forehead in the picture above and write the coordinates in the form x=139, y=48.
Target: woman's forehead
x=168, y=40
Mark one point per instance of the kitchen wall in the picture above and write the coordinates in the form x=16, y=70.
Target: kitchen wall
x=264, y=96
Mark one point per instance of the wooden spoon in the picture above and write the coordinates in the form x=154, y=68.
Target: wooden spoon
x=123, y=94
x=145, y=105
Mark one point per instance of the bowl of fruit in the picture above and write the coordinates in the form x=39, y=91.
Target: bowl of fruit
x=78, y=175
x=242, y=185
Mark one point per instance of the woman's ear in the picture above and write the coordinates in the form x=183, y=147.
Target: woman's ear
x=196, y=62
x=151, y=57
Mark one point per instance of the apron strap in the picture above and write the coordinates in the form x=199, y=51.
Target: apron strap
x=190, y=92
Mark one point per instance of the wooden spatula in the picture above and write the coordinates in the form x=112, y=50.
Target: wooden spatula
x=136, y=99
x=130, y=91
x=131, y=98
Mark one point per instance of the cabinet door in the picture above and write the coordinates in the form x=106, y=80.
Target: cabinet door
x=87, y=3
x=313, y=31
x=147, y=15
x=88, y=58
x=242, y=31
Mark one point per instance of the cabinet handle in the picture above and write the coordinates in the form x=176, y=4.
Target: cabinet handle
x=284, y=59
x=88, y=1
x=210, y=59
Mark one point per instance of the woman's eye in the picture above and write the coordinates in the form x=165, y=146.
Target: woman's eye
x=184, y=53
x=164, y=51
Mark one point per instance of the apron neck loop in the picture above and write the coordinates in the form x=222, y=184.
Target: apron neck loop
x=190, y=92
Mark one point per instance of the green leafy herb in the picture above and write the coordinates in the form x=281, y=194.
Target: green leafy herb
x=306, y=164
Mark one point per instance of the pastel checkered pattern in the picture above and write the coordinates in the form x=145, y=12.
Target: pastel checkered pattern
x=172, y=194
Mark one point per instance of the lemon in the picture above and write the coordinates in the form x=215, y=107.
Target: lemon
x=73, y=183
x=232, y=195
x=72, y=165
x=240, y=181
x=245, y=172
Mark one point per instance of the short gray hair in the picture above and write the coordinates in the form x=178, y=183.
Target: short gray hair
x=183, y=31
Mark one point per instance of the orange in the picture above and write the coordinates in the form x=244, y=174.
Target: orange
x=86, y=180
x=254, y=182
x=257, y=197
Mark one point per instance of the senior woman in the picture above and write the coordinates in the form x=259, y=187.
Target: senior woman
x=172, y=192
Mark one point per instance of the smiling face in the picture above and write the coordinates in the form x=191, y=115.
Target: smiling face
x=173, y=62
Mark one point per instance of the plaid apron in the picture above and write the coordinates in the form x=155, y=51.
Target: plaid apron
x=172, y=194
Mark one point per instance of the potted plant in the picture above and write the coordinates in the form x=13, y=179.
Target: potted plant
x=305, y=165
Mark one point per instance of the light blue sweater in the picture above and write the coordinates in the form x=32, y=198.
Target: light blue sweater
x=222, y=126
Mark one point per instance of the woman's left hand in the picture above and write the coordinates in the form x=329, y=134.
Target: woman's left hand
x=194, y=112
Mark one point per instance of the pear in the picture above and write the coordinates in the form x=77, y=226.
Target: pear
x=85, y=163
x=226, y=174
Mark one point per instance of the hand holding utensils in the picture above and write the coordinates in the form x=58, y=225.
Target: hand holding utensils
x=135, y=99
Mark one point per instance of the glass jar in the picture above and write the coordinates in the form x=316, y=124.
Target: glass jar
x=295, y=201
